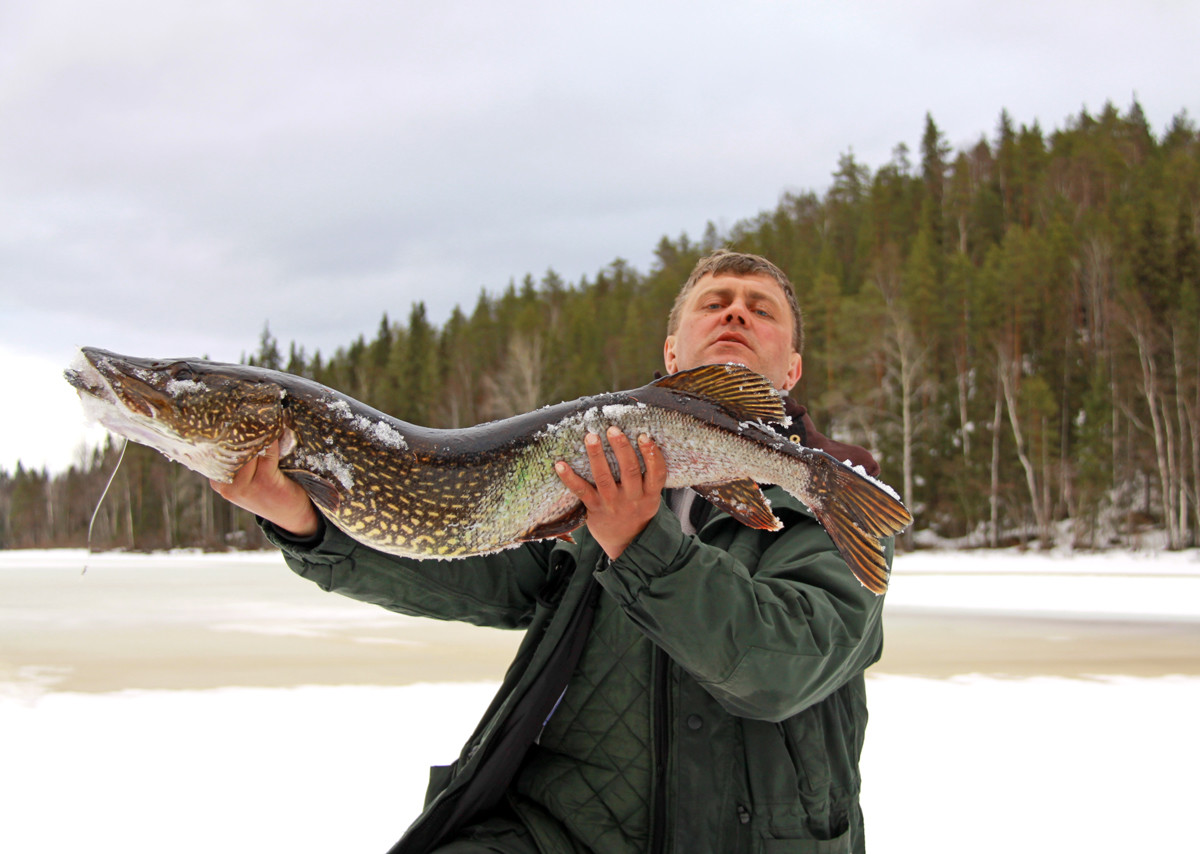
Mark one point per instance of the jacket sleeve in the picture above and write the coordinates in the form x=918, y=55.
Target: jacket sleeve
x=767, y=630
x=497, y=590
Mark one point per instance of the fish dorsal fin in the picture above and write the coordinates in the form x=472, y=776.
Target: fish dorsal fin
x=743, y=500
x=744, y=394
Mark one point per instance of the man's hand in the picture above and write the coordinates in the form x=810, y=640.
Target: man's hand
x=260, y=487
x=617, y=512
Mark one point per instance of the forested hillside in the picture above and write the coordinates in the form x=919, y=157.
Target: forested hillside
x=1013, y=328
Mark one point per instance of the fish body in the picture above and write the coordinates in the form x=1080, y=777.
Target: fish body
x=429, y=493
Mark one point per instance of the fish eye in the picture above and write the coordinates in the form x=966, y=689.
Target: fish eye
x=184, y=373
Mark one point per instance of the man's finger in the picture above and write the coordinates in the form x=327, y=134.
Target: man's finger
x=241, y=478
x=627, y=460
x=571, y=480
x=656, y=467
x=270, y=453
x=602, y=475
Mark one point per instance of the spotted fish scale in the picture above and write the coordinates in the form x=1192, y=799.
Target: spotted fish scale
x=425, y=493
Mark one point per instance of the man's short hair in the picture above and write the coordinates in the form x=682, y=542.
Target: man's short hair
x=726, y=261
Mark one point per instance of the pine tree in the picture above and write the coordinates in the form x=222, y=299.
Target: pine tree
x=1013, y=328
x=268, y=355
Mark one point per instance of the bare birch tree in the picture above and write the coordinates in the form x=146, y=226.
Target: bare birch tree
x=1009, y=370
x=1146, y=338
x=520, y=384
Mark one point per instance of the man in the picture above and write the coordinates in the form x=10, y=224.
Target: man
x=714, y=698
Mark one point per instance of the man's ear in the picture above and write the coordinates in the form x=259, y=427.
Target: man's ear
x=669, y=355
x=795, y=370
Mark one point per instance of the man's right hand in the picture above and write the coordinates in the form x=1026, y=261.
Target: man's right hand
x=260, y=487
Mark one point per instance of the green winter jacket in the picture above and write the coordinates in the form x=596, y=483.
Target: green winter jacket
x=718, y=704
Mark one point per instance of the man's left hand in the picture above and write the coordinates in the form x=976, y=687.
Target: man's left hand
x=617, y=511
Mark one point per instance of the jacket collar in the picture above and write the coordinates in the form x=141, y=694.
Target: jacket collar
x=804, y=432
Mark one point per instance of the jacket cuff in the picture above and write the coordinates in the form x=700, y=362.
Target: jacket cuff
x=328, y=546
x=652, y=554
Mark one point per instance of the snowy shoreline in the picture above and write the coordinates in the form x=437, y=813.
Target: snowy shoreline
x=1103, y=585
x=950, y=763
x=923, y=560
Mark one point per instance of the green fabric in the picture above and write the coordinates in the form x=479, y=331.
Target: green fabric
x=591, y=771
x=498, y=835
x=766, y=638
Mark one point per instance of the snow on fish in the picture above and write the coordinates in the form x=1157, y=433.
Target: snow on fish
x=428, y=493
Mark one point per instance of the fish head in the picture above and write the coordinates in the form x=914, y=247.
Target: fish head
x=209, y=416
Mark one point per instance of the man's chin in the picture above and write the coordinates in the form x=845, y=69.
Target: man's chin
x=736, y=359
x=737, y=354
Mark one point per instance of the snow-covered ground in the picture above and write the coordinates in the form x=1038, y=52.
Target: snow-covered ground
x=1010, y=581
x=967, y=764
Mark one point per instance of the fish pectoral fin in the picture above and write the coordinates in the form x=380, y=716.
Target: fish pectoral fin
x=743, y=500
x=324, y=493
x=559, y=527
x=744, y=394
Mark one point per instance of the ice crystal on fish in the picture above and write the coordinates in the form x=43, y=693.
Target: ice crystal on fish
x=178, y=387
x=381, y=431
x=330, y=463
x=862, y=472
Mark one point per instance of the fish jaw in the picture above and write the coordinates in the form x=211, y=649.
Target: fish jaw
x=168, y=408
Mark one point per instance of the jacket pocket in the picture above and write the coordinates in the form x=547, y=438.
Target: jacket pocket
x=439, y=778
x=838, y=845
x=796, y=799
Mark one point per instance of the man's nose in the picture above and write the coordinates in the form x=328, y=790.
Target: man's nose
x=736, y=313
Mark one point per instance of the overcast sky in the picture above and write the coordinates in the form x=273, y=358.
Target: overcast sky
x=173, y=175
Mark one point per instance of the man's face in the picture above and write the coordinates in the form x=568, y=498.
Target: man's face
x=733, y=318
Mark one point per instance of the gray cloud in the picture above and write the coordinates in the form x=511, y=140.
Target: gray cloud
x=173, y=175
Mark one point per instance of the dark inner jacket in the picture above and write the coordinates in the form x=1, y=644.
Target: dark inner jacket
x=714, y=695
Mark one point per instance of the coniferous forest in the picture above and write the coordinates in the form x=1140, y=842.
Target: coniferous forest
x=1013, y=328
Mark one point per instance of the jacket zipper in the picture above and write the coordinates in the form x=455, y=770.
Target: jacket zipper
x=658, y=814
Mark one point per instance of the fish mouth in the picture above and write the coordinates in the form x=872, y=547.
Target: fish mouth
x=116, y=379
x=120, y=394
x=86, y=380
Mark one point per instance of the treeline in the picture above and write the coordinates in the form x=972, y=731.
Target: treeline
x=1014, y=328
x=151, y=503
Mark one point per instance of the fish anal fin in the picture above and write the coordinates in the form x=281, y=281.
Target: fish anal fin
x=744, y=394
x=560, y=527
x=324, y=493
x=743, y=500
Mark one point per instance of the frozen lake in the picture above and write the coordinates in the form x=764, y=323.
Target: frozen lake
x=198, y=703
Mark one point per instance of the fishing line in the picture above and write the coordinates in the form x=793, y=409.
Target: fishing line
x=96, y=512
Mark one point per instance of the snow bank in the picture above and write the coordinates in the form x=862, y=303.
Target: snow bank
x=1163, y=585
x=968, y=764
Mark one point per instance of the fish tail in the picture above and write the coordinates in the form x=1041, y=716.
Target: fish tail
x=856, y=513
x=862, y=552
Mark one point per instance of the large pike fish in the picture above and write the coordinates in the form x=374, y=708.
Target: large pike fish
x=420, y=492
